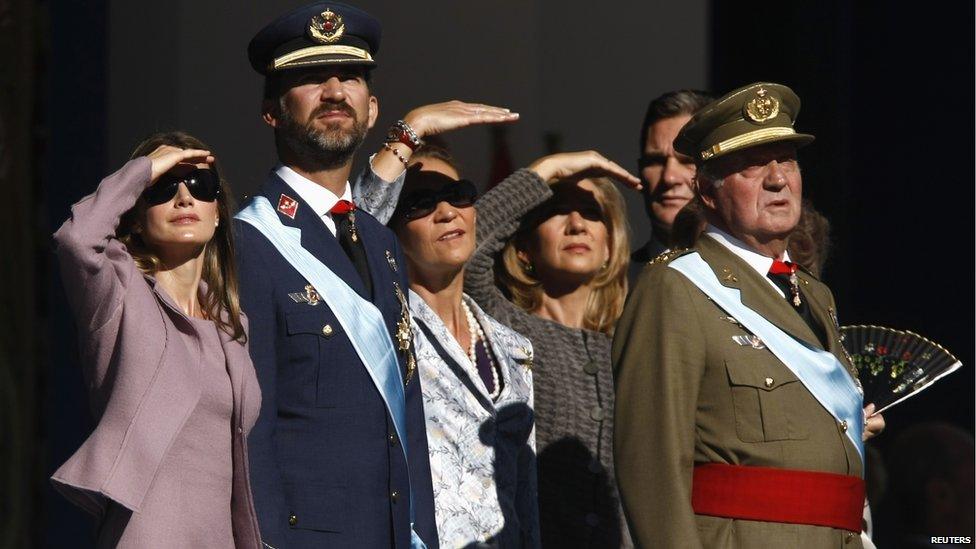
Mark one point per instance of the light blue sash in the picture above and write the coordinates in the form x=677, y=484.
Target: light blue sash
x=362, y=321
x=819, y=371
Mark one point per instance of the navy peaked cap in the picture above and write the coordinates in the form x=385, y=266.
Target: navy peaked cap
x=323, y=33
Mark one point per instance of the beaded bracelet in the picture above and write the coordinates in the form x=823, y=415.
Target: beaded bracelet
x=397, y=154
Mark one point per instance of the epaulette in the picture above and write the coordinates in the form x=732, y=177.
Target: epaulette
x=808, y=272
x=668, y=255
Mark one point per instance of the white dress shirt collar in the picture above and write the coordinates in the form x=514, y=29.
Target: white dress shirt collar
x=320, y=199
x=756, y=260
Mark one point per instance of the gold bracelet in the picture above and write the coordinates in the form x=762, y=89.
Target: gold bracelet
x=397, y=154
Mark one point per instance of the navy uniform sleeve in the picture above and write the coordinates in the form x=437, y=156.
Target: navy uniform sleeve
x=421, y=484
x=257, y=301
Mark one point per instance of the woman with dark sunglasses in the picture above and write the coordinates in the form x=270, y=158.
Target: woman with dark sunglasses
x=559, y=226
x=147, y=262
x=475, y=372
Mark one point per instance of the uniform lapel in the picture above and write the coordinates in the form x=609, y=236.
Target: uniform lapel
x=823, y=313
x=375, y=258
x=316, y=237
x=235, y=369
x=756, y=292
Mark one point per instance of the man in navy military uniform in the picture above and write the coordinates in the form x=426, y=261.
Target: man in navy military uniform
x=328, y=467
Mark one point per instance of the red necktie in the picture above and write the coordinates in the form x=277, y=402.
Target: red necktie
x=342, y=207
x=344, y=214
x=783, y=274
x=782, y=267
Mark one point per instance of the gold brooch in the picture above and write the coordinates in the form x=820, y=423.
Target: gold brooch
x=527, y=357
x=326, y=27
x=762, y=107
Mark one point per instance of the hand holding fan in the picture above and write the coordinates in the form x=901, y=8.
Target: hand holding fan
x=893, y=365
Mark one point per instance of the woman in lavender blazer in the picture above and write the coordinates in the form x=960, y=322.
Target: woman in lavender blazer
x=147, y=261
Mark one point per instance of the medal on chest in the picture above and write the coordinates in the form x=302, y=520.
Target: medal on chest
x=404, y=334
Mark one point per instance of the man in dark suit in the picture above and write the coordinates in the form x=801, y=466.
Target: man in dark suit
x=329, y=463
x=666, y=175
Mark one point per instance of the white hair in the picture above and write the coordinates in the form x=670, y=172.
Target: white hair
x=705, y=178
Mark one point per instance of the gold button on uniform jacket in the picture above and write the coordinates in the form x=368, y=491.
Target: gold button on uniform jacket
x=689, y=391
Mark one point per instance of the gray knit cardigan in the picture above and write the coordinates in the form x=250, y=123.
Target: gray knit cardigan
x=578, y=501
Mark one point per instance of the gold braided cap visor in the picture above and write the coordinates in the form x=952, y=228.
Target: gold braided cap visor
x=313, y=55
x=754, y=137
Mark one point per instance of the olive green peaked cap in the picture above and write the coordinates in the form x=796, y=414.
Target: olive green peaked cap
x=753, y=115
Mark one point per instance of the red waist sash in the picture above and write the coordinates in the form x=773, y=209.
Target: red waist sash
x=778, y=495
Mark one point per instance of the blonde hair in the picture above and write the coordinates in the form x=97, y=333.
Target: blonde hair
x=606, y=300
x=219, y=264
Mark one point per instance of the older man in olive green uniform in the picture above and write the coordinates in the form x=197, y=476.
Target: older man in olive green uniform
x=733, y=430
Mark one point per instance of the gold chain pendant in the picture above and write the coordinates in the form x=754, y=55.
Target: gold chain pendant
x=795, y=289
x=352, y=226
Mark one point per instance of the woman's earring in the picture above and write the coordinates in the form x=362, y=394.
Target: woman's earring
x=605, y=266
x=217, y=222
x=528, y=267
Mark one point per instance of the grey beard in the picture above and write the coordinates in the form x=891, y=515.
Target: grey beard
x=320, y=150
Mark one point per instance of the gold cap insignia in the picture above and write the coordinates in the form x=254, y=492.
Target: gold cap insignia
x=326, y=27
x=762, y=107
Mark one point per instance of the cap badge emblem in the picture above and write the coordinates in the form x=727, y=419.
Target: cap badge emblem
x=762, y=107
x=326, y=27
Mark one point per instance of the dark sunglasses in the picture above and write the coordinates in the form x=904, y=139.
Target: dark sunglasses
x=422, y=203
x=203, y=184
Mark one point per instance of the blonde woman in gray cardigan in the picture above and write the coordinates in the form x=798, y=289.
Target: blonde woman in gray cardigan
x=566, y=238
x=558, y=246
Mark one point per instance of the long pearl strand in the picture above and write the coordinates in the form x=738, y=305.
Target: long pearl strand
x=478, y=334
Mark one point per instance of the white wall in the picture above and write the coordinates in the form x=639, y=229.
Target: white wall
x=583, y=70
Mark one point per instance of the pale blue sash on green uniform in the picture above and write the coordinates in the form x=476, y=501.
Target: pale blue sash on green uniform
x=819, y=371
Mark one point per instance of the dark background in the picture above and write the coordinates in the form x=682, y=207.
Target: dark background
x=887, y=88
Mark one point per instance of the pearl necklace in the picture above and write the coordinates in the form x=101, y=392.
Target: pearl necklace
x=478, y=334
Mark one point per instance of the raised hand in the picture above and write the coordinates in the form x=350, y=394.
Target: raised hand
x=584, y=164
x=444, y=117
x=165, y=157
